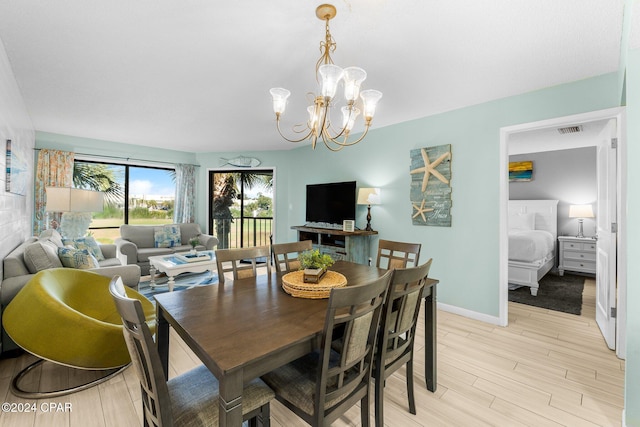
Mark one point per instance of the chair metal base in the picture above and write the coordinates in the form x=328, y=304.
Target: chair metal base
x=19, y=392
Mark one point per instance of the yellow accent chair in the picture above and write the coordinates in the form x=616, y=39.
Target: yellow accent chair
x=67, y=316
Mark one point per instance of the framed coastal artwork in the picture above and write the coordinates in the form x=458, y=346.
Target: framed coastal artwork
x=521, y=171
x=430, y=187
x=16, y=164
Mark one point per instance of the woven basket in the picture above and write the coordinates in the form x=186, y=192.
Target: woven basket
x=293, y=284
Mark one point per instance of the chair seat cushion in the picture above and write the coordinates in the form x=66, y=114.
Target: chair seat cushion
x=191, y=396
x=296, y=381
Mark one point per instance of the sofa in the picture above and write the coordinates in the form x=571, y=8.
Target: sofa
x=39, y=253
x=139, y=242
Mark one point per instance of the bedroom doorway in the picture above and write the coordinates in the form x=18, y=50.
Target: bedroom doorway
x=542, y=137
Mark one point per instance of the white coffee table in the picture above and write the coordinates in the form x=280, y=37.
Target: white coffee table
x=171, y=265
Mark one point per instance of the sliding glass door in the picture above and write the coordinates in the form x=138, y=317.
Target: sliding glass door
x=241, y=207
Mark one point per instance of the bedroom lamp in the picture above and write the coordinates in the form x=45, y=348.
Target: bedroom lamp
x=76, y=206
x=580, y=212
x=369, y=196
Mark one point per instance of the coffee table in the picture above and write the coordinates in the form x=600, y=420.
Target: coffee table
x=171, y=265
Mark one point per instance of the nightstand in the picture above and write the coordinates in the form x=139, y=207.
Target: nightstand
x=577, y=254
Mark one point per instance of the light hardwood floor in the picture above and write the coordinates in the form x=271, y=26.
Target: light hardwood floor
x=545, y=369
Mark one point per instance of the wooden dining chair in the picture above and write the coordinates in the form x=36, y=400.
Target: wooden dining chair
x=397, y=332
x=190, y=399
x=321, y=386
x=397, y=254
x=285, y=255
x=242, y=262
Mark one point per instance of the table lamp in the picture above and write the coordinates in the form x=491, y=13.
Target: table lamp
x=369, y=196
x=580, y=212
x=76, y=206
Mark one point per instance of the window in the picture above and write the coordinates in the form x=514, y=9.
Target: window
x=149, y=193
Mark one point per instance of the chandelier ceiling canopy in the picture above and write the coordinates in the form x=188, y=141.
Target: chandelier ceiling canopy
x=329, y=75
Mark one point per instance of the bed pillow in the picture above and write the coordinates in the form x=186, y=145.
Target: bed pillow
x=524, y=221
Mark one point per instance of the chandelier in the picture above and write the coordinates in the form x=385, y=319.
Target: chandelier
x=319, y=125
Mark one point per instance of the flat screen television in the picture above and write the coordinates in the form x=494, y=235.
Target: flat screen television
x=331, y=202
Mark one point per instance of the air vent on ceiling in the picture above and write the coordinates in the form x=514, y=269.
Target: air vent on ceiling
x=570, y=129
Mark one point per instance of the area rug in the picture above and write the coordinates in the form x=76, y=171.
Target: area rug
x=559, y=293
x=183, y=281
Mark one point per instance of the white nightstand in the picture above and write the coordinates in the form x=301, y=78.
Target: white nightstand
x=577, y=254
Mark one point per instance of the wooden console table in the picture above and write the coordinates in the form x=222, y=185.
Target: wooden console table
x=353, y=246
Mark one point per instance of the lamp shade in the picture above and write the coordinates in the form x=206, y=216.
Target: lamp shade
x=580, y=211
x=63, y=199
x=369, y=196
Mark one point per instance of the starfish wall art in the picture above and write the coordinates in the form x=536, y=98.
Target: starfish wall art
x=430, y=191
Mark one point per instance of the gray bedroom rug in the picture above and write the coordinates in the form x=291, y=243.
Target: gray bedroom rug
x=559, y=293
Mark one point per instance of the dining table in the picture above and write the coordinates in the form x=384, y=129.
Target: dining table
x=248, y=327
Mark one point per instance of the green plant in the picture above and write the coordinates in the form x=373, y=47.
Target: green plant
x=194, y=241
x=314, y=259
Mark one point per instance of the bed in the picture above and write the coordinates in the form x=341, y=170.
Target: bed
x=533, y=232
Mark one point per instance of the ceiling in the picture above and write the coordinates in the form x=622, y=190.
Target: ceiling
x=195, y=75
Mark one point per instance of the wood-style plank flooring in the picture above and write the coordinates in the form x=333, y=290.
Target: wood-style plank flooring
x=545, y=369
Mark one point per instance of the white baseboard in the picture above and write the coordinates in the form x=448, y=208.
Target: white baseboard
x=494, y=320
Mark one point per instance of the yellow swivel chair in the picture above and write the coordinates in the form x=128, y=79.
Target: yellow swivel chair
x=67, y=316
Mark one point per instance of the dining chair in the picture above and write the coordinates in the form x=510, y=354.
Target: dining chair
x=285, y=255
x=243, y=262
x=397, y=254
x=324, y=384
x=190, y=399
x=396, y=335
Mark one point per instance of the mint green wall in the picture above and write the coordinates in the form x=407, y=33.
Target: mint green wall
x=466, y=254
x=632, y=371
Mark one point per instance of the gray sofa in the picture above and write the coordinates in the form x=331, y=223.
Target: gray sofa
x=137, y=243
x=18, y=270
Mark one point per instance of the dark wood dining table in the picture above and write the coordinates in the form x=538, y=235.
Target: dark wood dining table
x=248, y=327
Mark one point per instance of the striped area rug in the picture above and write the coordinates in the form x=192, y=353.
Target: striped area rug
x=183, y=281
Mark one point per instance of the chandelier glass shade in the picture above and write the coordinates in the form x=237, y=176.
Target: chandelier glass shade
x=330, y=77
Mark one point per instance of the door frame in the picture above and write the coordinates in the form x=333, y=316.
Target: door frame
x=227, y=169
x=619, y=114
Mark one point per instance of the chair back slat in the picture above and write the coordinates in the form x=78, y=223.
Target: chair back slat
x=242, y=262
x=397, y=254
x=144, y=356
x=285, y=255
x=344, y=374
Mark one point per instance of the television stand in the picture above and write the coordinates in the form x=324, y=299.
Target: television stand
x=354, y=246
x=323, y=225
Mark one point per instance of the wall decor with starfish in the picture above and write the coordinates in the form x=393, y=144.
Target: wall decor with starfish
x=430, y=191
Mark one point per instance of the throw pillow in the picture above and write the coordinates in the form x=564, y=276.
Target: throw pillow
x=90, y=244
x=51, y=235
x=41, y=255
x=167, y=236
x=77, y=258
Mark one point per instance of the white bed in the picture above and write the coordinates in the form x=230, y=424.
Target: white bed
x=533, y=232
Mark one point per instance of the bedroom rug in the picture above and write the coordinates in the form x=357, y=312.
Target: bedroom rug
x=555, y=293
x=183, y=281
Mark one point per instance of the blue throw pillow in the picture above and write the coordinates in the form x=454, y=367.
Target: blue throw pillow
x=167, y=236
x=77, y=258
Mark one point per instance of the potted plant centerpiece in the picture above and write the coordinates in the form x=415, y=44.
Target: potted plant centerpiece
x=194, y=241
x=314, y=265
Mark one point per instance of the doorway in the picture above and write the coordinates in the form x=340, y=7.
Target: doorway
x=521, y=138
x=241, y=208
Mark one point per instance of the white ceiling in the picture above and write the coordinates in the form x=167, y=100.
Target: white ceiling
x=195, y=75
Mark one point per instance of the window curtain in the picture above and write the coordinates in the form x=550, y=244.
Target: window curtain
x=184, y=208
x=54, y=169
